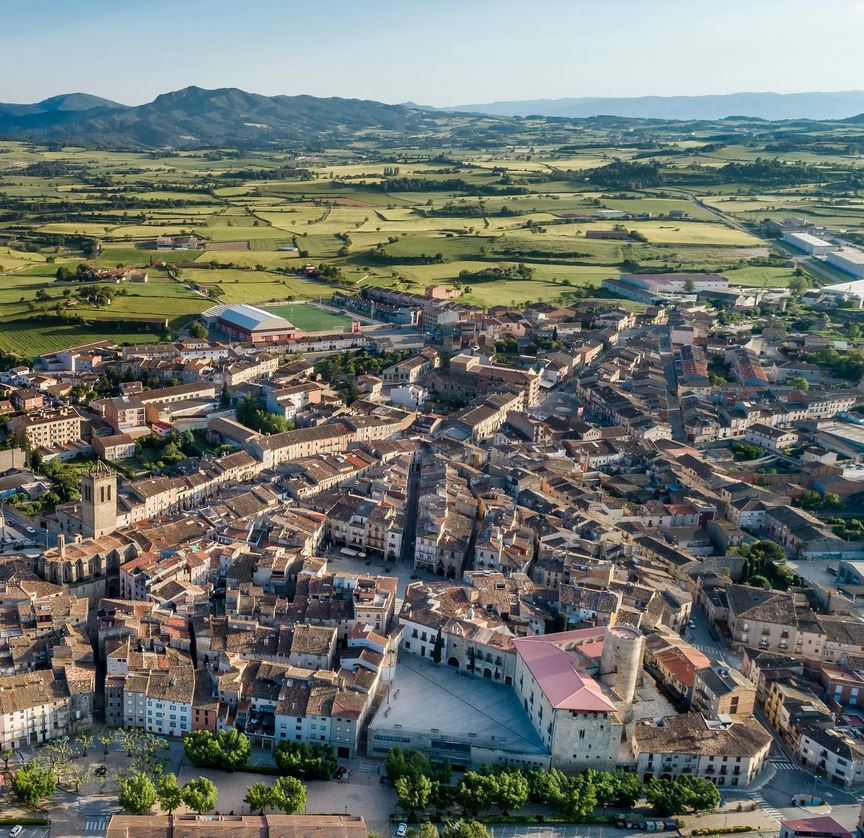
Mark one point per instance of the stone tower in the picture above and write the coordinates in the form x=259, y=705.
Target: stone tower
x=621, y=660
x=98, y=501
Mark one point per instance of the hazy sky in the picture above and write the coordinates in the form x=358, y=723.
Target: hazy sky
x=436, y=52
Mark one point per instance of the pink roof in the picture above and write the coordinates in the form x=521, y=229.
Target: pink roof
x=555, y=670
x=822, y=825
x=593, y=648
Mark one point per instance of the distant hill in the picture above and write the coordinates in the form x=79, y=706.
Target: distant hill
x=772, y=106
x=228, y=117
x=65, y=102
x=194, y=117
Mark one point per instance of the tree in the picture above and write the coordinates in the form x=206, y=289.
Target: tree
x=101, y=774
x=84, y=741
x=288, y=795
x=33, y=782
x=438, y=647
x=831, y=500
x=511, y=792
x=702, y=794
x=628, y=790
x=475, y=792
x=235, y=747
x=465, y=829
x=229, y=749
x=225, y=398
x=258, y=797
x=797, y=285
x=798, y=383
x=198, y=330
x=56, y=755
x=77, y=773
x=147, y=751
x=200, y=795
x=6, y=754
x=579, y=796
x=674, y=797
x=424, y=830
x=169, y=793
x=542, y=786
x=810, y=500
x=137, y=794
x=315, y=761
x=413, y=792
x=106, y=739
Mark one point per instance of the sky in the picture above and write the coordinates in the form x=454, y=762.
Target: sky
x=435, y=52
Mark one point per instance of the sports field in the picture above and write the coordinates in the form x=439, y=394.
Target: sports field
x=310, y=318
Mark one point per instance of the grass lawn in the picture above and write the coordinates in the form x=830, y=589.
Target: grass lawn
x=757, y=277
x=310, y=318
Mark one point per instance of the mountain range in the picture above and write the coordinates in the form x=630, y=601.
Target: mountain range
x=771, y=106
x=194, y=117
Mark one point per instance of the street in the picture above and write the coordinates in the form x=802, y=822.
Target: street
x=673, y=411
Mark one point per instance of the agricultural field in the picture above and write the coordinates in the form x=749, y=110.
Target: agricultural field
x=508, y=224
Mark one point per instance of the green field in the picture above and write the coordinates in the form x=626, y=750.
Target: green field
x=310, y=318
x=30, y=337
x=386, y=216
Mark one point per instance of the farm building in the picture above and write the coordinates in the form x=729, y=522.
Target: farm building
x=250, y=323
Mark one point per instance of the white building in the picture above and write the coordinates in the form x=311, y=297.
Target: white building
x=411, y=396
x=34, y=707
x=809, y=243
x=848, y=259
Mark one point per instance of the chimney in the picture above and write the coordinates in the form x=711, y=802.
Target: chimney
x=61, y=545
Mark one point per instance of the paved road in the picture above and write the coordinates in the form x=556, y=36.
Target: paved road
x=32, y=832
x=569, y=831
x=673, y=410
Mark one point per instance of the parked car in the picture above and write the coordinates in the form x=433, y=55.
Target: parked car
x=16, y=830
x=402, y=830
x=692, y=624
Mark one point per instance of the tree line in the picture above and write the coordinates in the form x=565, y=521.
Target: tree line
x=419, y=784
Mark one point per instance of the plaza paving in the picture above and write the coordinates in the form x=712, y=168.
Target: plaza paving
x=425, y=698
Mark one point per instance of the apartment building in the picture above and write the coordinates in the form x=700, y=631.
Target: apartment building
x=126, y=414
x=49, y=428
x=34, y=707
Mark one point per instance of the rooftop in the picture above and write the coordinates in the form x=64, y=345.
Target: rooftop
x=251, y=318
x=555, y=668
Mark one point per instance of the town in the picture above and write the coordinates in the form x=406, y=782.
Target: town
x=476, y=544
x=376, y=466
